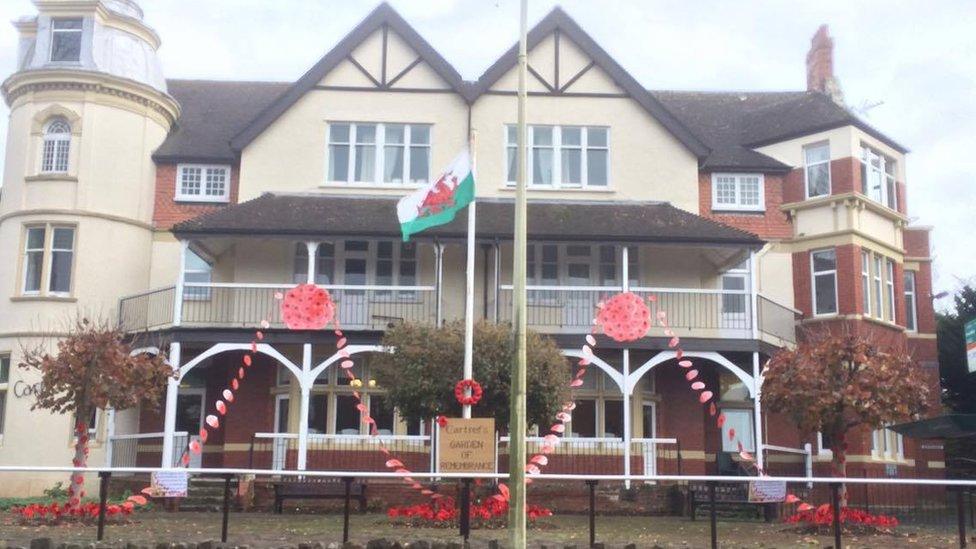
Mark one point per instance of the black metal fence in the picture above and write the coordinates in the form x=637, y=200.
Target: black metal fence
x=664, y=510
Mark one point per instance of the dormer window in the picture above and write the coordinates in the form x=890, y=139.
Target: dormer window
x=57, y=143
x=66, y=40
x=201, y=183
x=738, y=192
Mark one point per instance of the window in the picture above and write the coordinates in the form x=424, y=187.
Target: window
x=742, y=421
x=199, y=183
x=911, y=312
x=599, y=405
x=878, y=288
x=197, y=271
x=66, y=40
x=333, y=407
x=734, y=302
x=34, y=260
x=282, y=404
x=57, y=143
x=579, y=264
x=4, y=383
x=866, y=283
x=824, y=444
x=62, y=258
x=887, y=445
x=742, y=192
x=816, y=161
x=324, y=263
x=824, y=282
x=878, y=177
x=48, y=254
x=562, y=156
x=890, y=289
x=391, y=154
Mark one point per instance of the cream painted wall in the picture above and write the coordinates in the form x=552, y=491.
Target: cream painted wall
x=775, y=277
x=646, y=161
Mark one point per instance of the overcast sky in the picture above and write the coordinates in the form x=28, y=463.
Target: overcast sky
x=916, y=61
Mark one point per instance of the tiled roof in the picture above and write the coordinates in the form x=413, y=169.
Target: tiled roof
x=320, y=215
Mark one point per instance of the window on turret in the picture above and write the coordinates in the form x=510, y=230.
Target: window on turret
x=57, y=144
x=49, y=252
x=66, y=40
x=816, y=160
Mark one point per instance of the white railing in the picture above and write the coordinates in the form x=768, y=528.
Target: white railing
x=806, y=452
x=324, y=450
x=124, y=450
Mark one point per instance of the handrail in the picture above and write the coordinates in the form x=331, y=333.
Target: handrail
x=255, y=285
x=775, y=302
x=147, y=292
x=323, y=436
x=499, y=476
x=786, y=449
x=135, y=436
x=556, y=288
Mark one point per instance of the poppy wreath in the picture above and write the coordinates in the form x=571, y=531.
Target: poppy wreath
x=476, y=392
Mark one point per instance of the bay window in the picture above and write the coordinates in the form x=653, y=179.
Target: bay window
x=570, y=157
x=887, y=445
x=738, y=192
x=816, y=162
x=911, y=311
x=878, y=177
x=49, y=252
x=380, y=154
x=203, y=183
x=599, y=406
x=824, y=268
x=332, y=406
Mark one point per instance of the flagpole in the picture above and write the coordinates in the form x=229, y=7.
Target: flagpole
x=469, y=286
x=517, y=423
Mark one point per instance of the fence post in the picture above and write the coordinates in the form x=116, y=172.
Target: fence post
x=103, y=480
x=226, y=509
x=961, y=516
x=465, y=520
x=711, y=513
x=345, y=512
x=592, y=485
x=835, y=505
x=867, y=494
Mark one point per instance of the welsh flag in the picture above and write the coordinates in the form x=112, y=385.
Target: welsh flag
x=438, y=202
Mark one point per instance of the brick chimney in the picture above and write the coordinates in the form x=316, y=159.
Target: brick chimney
x=820, y=66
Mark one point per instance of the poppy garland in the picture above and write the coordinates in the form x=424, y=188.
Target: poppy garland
x=476, y=392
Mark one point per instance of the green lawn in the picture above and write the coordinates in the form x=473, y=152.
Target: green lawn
x=267, y=530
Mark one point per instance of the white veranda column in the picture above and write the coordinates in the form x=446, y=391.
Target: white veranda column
x=627, y=419
x=169, y=417
x=313, y=250
x=306, y=387
x=757, y=411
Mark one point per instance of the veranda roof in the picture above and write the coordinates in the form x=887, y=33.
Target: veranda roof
x=947, y=426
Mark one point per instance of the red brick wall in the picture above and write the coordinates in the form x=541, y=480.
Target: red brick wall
x=770, y=224
x=802, y=283
x=848, y=278
x=901, y=194
x=167, y=211
x=917, y=245
x=845, y=177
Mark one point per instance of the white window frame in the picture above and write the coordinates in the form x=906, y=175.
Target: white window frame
x=813, y=282
x=202, y=196
x=887, y=445
x=878, y=286
x=25, y=258
x=807, y=166
x=866, y=300
x=379, y=156
x=58, y=159
x=55, y=31
x=194, y=293
x=911, y=304
x=557, y=148
x=738, y=181
x=49, y=266
x=888, y=193
x=603, y=390
x=890, y=288
x=821, y=449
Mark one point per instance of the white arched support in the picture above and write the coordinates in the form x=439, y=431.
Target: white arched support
x=262, y=348
x=717, y=358
x=353, y=350
x=611, y=372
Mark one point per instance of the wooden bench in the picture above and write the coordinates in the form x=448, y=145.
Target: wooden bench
x=727, y=494
x=318, y=489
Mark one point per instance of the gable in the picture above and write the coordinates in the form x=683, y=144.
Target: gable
x=381, y=44
x=384, y=60
x=596, y=74
x=558, y=65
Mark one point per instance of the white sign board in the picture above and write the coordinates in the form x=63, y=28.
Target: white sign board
x=168, y=484
x=767, y=491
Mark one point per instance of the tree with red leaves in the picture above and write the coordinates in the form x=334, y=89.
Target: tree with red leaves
x=834, y=383
x=94, y=368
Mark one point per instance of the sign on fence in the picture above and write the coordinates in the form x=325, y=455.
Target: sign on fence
x=767, y=491
x=168, y=484
x=467, y=446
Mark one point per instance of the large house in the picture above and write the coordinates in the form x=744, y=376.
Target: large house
x=180, y=208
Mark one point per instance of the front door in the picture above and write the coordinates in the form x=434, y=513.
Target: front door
x=189, y=419
x=650, y=431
